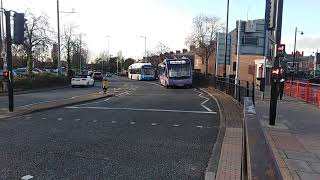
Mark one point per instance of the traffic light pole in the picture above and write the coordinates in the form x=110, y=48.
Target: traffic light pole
x=9, y=60
x=275, y=81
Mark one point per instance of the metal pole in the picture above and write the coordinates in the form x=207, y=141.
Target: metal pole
x=218, y=36
x=238, y=53
x=226, y=44
x=9, y=59
x=59, y=50
x=80, y=57
x=275, y=82
x=145, y=48
x=295, y=50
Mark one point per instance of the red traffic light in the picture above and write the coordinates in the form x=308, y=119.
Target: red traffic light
x=6, y=73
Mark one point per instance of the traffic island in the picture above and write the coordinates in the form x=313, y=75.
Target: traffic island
x=36, y=107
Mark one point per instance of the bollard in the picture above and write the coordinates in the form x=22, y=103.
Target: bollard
x=239, y=91
x=248, y=89
x=290, y=91
x=253, y=94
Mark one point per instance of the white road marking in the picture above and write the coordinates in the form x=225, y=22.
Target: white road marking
x=95, y=121
x=151, y=110
x=153, y=124
x=95, y=102
x=27, y=177
x=113, y=122
x=199, y=126
x=43, y=118
x=60, y=119
x=204, y=102
x=28, y=117
x=154, y=84
x=77, y=120
x=132, y=123
x=176, y=125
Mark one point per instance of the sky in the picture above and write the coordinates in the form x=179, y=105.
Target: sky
x=167, y=21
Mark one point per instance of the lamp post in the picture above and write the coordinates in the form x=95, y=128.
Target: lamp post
x=295, y=49
x=226, y=44
x=59, y=43
x=145, y=46
x=108, y=53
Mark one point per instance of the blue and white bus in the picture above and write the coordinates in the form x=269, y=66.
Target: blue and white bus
x=141, y=72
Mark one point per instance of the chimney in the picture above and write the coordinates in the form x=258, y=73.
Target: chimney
x=178, y=52
x=171, y=52
x=302, y=53
x=184, y=51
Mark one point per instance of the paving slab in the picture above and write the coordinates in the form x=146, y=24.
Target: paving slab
x=305, y=156
x=309, y=176
x=298, y=165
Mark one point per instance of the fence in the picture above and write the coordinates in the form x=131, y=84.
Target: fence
x=238, y=90
x=305, y=91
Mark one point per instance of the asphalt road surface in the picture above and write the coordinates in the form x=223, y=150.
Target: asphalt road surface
x=58, y=94
x=146, y=132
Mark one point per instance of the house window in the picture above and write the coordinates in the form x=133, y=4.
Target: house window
x=250, y=41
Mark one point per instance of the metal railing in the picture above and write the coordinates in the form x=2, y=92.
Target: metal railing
x=305, y=91
x=237, y=89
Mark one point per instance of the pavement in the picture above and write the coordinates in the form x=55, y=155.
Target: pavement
x=146, y=132
x=295, y=139
x=230, y=157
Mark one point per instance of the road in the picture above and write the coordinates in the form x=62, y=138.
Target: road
x=147, y=132
x=59, y=94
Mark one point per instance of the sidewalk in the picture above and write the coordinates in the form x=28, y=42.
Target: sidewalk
x=229, y=163
x=295, y=140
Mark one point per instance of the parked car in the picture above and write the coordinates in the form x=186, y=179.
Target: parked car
x=97, y=76
x=108, y=74
x=82, y=80
x=315, y=80
x=22, y=71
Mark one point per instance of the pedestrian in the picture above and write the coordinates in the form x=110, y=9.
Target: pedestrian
x=281, y=87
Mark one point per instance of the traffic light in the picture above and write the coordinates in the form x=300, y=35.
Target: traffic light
x=277, y=73
x=18, y=28
x=271, y=13
x=281, y=50
x=6, y=76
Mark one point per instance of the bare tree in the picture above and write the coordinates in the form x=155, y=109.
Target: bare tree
x=161, y=48
x=69, y=42
x=37, y=34
x=205, y=29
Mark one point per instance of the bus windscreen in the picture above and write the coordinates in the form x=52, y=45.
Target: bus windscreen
x=179, y=70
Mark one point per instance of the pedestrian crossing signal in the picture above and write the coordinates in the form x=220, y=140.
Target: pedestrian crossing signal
x=281, y=50
x=6, y=76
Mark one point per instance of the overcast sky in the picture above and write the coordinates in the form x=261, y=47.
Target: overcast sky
x=168, y=21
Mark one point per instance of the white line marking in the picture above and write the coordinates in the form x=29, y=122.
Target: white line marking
x=60, y=119
x=113, y=122
x=155, y=84
x=43, y=118
x=77, y=120
x=151, y=110
x=199, y=126
x=132, y=123
x=176, y=125
x=27, y=177
x=95, y=102
x=204, y=102
x=153, y=124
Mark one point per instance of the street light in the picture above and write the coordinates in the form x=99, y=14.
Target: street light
x=295, y=48
x=108, y=55
x=59, y=44
x=226, y=44
x=145, y=46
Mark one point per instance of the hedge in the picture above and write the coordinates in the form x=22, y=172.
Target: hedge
x=39, y=81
